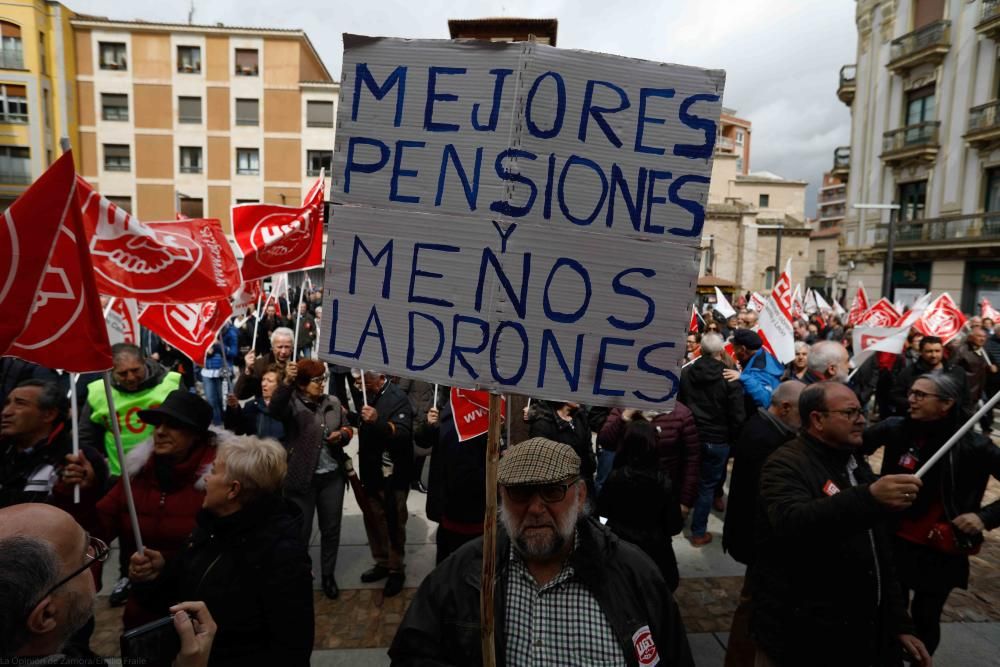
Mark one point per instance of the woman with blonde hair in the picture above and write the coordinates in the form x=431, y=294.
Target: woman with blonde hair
x=245, y=559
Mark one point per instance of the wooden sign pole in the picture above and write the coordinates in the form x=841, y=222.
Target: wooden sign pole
x=486, y=588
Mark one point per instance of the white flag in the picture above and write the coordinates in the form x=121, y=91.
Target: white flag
x=821, y=303
x=776, y=319
x=722, y=304
x=810, y=304
x=869, y=340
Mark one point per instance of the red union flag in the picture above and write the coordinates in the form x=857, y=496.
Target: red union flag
x=942, y=318
x=28, y=234
x=471, y=410
x=66, y=328
x=190, y=327
x=278, y=239
x=798, y=309
x=870, y=339
x=776, y=319
x=882, y=314
x=123, y=321
x=174, y=261
x=693, y=324
x=859, y=306
x=987, y=311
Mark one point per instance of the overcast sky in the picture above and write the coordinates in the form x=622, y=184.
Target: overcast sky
x=782, y=57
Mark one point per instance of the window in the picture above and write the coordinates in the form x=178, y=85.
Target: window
x=319, y=114
x=992, y=202
x=11, y=49
x=189, y=59
x=764, y=201
x=248, y=161
x=114, y=106
x=45, y=107
x=912, y=200
x=191, y=161
x=124, y=203
x=15, y=164
x=192, y=208
x=769, y=278
x=112, y=55
x=247, y=201
x=919, y=109
x=246, y=62
x=13, y=104
x=247, y=112
x=41, y=51
x=116, y=157
x=188, y=109
x=316, y=160
x=821, y=261
x=739, y=137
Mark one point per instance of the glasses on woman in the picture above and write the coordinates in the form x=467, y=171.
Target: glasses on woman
x=320, y=379
x=97, y=552
x=549, y=493
x=921, y=395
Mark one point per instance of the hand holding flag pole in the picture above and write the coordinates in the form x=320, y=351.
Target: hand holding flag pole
x=126, y=482
x=966, y=427
x=298, y=321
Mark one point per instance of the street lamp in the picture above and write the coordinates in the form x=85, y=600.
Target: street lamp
x=777, y=247
x=890, y=242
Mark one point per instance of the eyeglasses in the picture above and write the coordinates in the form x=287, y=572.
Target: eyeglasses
x=549, y=493
x=851, y=413
x=97, y=552
x=320, y=380
x=920, y=395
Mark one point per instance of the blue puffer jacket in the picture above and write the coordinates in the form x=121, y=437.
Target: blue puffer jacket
x=761, y=374
x=230, y=339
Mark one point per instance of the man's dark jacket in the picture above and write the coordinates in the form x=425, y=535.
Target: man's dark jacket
x=456, y=491
x=825, y=592
x=761, y=436
x=442, y=625
x=253, y=572
x=393, y=407
x=575, y=433
x=716, y=403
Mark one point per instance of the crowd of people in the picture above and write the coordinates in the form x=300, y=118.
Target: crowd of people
x=232, y=463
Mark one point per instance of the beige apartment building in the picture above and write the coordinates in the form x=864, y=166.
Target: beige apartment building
x=193, y=119
x=825, y=239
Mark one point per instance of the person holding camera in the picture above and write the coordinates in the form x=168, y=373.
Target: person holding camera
x=934, y=537
x=315, y=435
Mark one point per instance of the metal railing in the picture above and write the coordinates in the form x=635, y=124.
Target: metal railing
x=911, y=136
x=985, y=116
x=11, y=58
x=191, y=169
x=848, y=75
x=991, y=9
x=932, y=34
x=828, y=212
x=975, y=226
x=19, y=118
x=11, y=177
x=836, y=194
x=189, y=119
x=725, y=144
x=842, y=157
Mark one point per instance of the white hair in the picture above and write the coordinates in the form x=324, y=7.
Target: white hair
x=712, y=343
x=824, y=354
x=801, y=345
x=282, y=331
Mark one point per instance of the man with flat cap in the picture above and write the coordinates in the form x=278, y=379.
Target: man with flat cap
x=760, y=371
x=568, y=592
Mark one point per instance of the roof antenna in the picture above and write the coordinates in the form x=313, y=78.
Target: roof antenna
x=191, y=13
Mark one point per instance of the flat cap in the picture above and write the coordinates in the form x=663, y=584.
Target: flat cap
x=748, y=339
x=538, y=461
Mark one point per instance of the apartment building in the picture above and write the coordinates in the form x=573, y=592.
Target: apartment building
x=925, y=136
x=37, y=83
x=505, y=29
x=824, y=240
x=193, y=119
x=733, y=138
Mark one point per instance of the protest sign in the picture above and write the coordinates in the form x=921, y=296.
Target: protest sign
x=517, y=217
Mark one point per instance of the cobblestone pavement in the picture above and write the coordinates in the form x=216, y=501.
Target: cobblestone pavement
x=364, y=619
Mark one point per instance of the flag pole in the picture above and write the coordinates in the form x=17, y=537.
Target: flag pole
x=958, y=435
x=107, y=309
x=256, y=323
x=126, y=482
x=487, y=583
x=364, y=390
x=75, y=415
x=298, y=321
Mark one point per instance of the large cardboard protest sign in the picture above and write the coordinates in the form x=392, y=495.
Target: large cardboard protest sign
x=517, y=217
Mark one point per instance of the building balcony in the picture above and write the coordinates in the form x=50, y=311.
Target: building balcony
x=968, y=230
x=841, y=162
x=848, y=84
x=832, y=211
x=984, y=126
x=913, y=143
x=928, y=45
x=17, y=178
x=989, y=20
x=725, y=144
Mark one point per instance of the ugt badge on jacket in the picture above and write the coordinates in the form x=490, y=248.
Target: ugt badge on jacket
x=645, y=649
x=830, y=488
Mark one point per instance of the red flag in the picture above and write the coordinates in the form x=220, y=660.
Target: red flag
x=471, y=410
x=247, y=296
x=277, y=239
x=798, y=308
x=27, y=236
x=190, y=327
x=123, y=321
x=942, y=318
x=882, y=314
x=987, y=311
x=174, y=261
x=859, y=306
x=67, y=328
x=693, y=325
x=775, y=323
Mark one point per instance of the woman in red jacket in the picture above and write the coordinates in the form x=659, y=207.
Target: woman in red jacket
x=168, y=484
